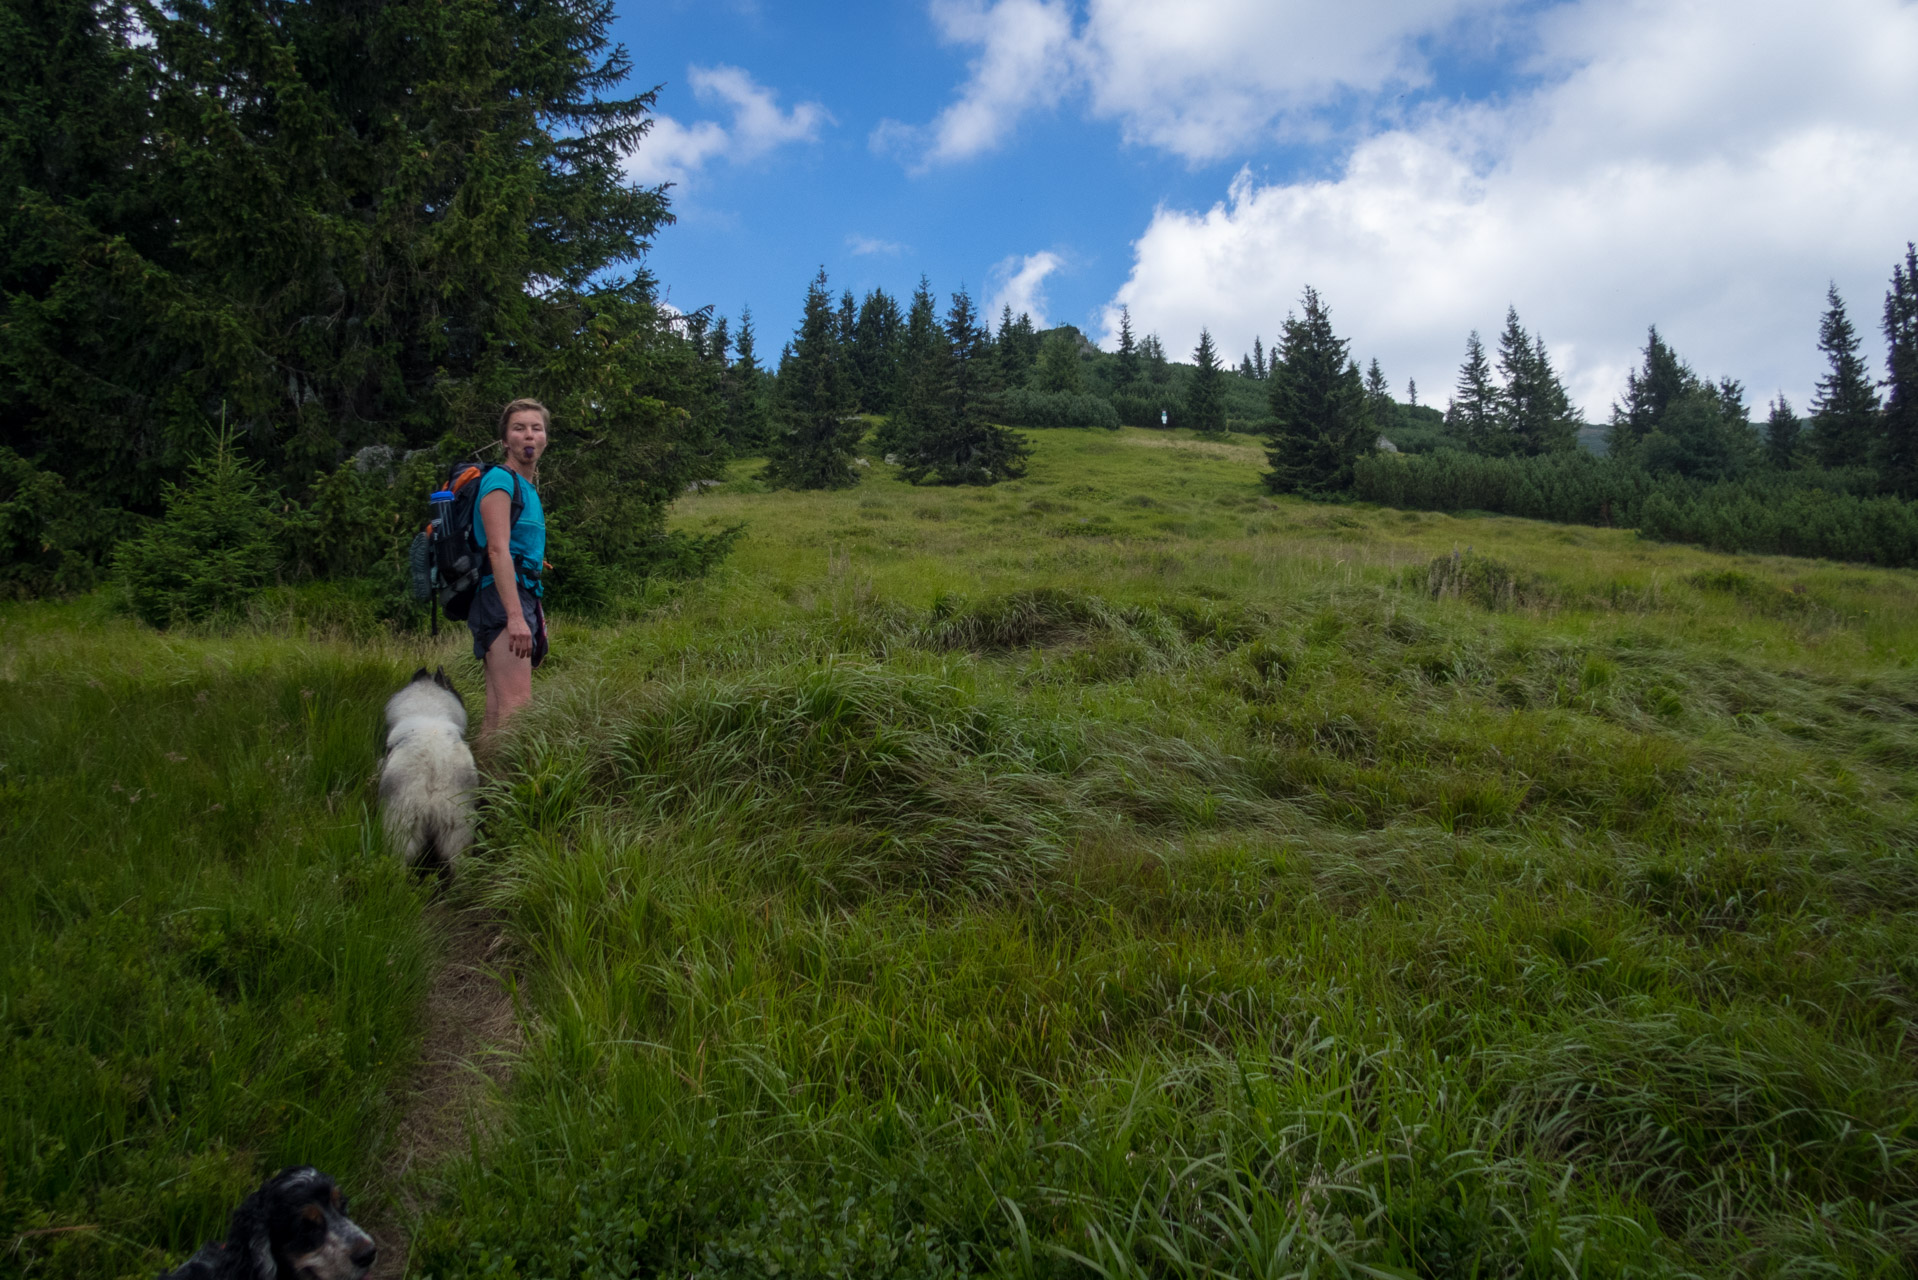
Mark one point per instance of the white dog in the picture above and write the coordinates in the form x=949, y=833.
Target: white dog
x=427, y=779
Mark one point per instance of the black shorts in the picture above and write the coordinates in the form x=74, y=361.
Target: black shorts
x=487, y=618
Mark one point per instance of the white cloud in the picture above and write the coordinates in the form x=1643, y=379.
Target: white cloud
x=1707, y=166
x=1197, y=78
x=863, y=246
x=673, y=152
x=1019, y=283
x=1025, y=61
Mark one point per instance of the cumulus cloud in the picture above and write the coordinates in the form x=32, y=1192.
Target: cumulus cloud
x=1019, y=282
x=1198, y=78
x=673, y=151
x=1707, y=166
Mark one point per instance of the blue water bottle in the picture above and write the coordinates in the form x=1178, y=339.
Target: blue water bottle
x=442, y=501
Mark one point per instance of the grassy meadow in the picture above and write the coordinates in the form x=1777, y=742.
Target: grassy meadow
x=1114, y=872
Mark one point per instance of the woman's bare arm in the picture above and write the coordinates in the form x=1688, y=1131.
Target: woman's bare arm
x=496, y=514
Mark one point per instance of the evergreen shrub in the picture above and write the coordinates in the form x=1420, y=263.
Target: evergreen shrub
x=215, y=548
x=1025, y=408
x=1835, y=514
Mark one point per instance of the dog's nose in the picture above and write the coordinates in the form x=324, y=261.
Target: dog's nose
x=363, y=1258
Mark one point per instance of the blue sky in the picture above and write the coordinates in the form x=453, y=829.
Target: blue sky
x=1708, y=165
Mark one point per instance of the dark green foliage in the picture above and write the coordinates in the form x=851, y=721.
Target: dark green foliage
x=1535, y=411
x=1023, y=408
x=817, y=430
x=1127, y=369
x=845, y=332
x=1058, y=371
x=876, y=342
x=1784, y=436
x=1378, y=398
x=961, y=445
x=1648, y=393
x=43, y=532
x=1152, y=360
x=747, y=428
x=1703, y=435
x=1018, y=347
x=353, y=224
x=1204, y=405
x=921, y=352
x=1472, y=419
x=1844, y=421
x=1320, y=426
x=1835, y=514
x=213, y=550
x=1898, y=457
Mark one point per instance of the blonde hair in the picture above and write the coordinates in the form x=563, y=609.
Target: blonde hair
x=521, y=406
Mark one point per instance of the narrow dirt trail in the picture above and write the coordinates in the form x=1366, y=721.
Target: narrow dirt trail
x=470, y=1039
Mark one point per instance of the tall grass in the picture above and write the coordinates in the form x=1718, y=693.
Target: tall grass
x=1350, y=931
x=210, y=969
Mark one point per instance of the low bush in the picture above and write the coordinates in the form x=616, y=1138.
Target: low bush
x=215, y=548
x=1026, y=408
x=1834, y=514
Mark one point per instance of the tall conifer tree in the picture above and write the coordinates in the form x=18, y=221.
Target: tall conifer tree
x=1784, y=436
x=875, y=351
x=1204, y=398
x=1258, y=358
x=962, y=446
x=1127, y=373
x=1649, y=392
x=1534, y=409
x=1898, y=452
x=1378, y=398
x=1844, y=424
x=1319, y=423
x=1472, y=418
x=746, y=429
x=817, y=434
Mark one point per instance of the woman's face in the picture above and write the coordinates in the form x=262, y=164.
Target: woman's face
x=526, y=437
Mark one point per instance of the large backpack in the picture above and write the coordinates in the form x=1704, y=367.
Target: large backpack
x=447, y=559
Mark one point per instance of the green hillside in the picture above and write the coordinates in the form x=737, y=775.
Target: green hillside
x=1118, y=871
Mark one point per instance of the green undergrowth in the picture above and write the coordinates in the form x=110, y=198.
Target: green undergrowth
x=210, y=969
x=1414, y=914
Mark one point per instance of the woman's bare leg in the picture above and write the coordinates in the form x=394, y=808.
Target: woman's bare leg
x=509, y=686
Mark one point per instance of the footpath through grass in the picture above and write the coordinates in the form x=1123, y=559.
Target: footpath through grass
x=1121, y=872
x=208, y=967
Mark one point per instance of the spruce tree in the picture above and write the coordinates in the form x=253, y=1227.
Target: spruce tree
x=1898, y=447
x=1784, y=442
x=1245, y=367
x=1648, y=394
x=1319, y=423
x=1412, y=392
x=213, y=549
x=1158, y=371
x=875, y=351
x=1204, y=398
x=961, y=446
x=1128, y=367
x=744, y=392
x=1058, y=372
x=1534, y=409
x=1844, y=423
x=921, y=377
x=1378, y=398
x=817, y=434
x=1472, y=417
x=1258, y=358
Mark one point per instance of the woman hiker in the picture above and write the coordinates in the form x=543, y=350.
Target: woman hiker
x=509, y=627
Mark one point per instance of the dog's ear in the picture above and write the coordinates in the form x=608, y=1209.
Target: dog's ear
x=421, y=674
x=439, y=678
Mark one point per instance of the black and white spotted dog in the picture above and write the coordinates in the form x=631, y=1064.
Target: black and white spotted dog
x=293, y=1228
